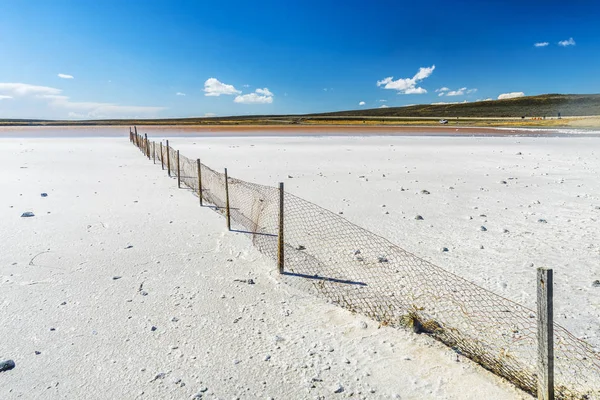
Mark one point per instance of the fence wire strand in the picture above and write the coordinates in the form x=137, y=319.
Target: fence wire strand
x=365, y=273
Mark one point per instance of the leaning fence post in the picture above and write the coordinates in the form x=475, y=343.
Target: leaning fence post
x=168, y=160
x=146, y=148
x=178, y=171
x=199, y=180
x=545, y=335
x=280, y=247
x=154, y=152
x=227, y=200
x=137, y=138
x=162, y=159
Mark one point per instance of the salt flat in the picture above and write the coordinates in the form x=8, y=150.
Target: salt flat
x=223, y=338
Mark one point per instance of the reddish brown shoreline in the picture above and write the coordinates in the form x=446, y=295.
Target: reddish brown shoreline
x=267, y=130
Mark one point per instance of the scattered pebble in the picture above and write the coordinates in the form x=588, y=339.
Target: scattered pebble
x=444, y=249
x=153, y=328
x=596, y=283
x=300, y=247
x=419, y=218
x=542, y=221
x=425, y=191
x=37, y=353
x=128, y=247
x=27, y=214
x=44, y=195
x=6, y=365
x=482, y=228
x=116, y=277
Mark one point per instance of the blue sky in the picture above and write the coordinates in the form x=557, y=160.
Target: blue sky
x=155, y=58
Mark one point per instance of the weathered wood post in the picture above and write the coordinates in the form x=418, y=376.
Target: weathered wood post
x=545, y=335
x=154, y=152
x=178, y=171
x=137, y=138
x=199, y=180
x=162, y=158
x=168, y=160
x=280, y=243
x=227, y=200
x=147, y=148
x=130, y=135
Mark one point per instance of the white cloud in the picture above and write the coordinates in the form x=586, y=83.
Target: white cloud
x=488, y=99
x=541, y=44
x=74, y=109
x=458, y=92
x=449, y=102
x=384, y=106
x=264, y=92
x=24, y=89
x=210, y=115
x=179, y=94
x=3, y=97
x=510, y=95
x=65, y=76
x=565, y=43
x=213, y=87
x=260, y=96
x=362, y=103
x=407, y=85
x=382, y=101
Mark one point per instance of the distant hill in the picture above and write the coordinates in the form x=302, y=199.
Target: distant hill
x=531, y=106
x=548, y=105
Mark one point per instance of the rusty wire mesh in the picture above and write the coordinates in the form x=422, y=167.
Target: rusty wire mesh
x=367, y=274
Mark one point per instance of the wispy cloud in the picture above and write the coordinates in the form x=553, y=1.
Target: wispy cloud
x=510, y=95
x=179, y=94
x=565, y=43
x=214, y=87
x=407, y=85
x=384, y=106
x=208, y=115
x=362, y=103
x=74, y=109
x=541, y=44
x=65, y=76
x=459, y=92
x=439, y=103
x=25, y=89
x=4, y=97
x=260, y=96
x=382, y=101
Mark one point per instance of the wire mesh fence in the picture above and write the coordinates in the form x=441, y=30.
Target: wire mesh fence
x=365, y=273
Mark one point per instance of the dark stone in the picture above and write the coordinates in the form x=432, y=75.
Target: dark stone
x=44, y=194
x=6, y=365
x=27, y=214
x=596, y=283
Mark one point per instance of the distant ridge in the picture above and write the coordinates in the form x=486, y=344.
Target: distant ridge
x=546, y=105
x=543, y=105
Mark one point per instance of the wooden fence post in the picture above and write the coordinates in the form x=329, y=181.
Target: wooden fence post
x=137, y=138
x=178, y=171
x=227, y=200
x=147, y=147
x=168, y=160
x=280, y=243
x=199, y=181
x=545, y=335
x=162, y=158
x=154, y=152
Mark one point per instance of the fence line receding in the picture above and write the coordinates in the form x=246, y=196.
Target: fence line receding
x=365, y=273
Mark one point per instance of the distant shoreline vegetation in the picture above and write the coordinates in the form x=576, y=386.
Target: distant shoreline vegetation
x=534, y=111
